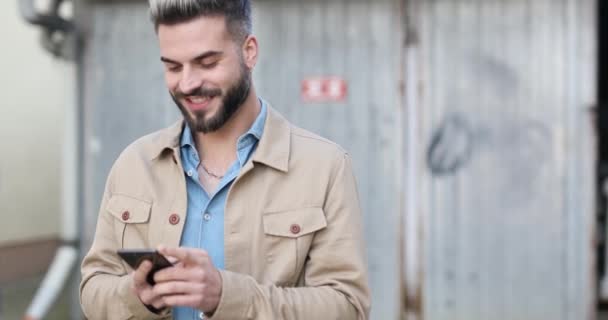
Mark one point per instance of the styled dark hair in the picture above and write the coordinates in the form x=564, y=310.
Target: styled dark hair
x=237, y=13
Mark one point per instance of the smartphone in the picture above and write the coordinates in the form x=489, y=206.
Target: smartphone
x=134, y=257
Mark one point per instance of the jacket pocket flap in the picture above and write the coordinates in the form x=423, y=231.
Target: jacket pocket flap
x=128, y=209
x=294, y=223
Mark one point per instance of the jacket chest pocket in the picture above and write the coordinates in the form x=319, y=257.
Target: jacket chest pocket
x=288, y=237
x=132, y=218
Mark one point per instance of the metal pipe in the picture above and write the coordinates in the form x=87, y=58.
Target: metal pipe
x=66, y=257
x=53, y=283
x=57, y=35
x=51, y=22
x=413, y=218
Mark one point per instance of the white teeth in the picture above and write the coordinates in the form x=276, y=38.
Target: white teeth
x=198, y=99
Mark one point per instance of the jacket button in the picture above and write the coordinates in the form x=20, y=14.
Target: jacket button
x=295, y=228
x=174, y=219
x=126, y=215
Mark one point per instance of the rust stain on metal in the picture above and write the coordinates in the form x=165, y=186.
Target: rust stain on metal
x=413, y=302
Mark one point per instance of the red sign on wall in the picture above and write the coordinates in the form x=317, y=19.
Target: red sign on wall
x=324, y=89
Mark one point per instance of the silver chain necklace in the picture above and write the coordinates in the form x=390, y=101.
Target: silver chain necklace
x=211, y=174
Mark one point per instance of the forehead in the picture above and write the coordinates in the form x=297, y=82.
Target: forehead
x=185, y=40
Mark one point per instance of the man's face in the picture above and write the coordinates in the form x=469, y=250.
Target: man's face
x=204, y=71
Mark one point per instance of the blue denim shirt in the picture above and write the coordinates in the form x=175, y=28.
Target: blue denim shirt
x=204, y=227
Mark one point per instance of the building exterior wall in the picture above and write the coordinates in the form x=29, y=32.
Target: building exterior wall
x=506, y=157
x=35, y=90
x=477, y=135
x=357, y=41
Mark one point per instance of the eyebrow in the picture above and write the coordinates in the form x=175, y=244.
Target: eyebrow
x=201, y=56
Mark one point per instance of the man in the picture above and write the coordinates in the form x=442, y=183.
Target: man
x=260, y=218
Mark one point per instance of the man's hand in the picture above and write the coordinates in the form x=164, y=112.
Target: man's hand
x=192, y=282
x=143, y=289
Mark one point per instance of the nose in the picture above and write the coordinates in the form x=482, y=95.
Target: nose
x=190, y=81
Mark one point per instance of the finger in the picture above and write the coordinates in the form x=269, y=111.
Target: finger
x=181, y=254
x=159, y=303
x=192, y=301
x=140, y=274
x=173, y=260
x=186, y=255
x=148, y=296
x=160, y=248
x=178, y=288
x=180, y=273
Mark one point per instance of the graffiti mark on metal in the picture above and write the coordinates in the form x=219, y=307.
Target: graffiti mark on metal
x=451, y=146
x=510, y=149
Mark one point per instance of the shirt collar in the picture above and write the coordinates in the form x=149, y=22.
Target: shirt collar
x=186, y=139
x=257, y=129
x=273, y=149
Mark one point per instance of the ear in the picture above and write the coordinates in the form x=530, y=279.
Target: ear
x=250, y=51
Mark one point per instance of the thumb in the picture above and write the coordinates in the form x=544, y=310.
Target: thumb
x=140, y=274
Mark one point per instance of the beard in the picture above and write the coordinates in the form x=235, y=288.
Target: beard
x=231, y=102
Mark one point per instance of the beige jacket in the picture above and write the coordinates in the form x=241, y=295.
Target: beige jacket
x=293, y=233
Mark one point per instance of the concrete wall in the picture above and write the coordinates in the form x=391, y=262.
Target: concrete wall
x=35, y=91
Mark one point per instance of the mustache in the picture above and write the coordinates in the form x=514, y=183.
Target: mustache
x=199, y=92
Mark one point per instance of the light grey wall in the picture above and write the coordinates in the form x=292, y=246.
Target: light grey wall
x=36, y=90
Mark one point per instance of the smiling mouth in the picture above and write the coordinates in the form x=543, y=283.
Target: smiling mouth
x=198, y=102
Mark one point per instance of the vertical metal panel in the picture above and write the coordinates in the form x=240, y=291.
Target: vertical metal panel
x=581, y=41
x=360, y=41
x=507, y=180
x=124, y=98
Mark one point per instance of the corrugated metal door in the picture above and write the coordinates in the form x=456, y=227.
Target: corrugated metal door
x=121, y=89
x=358, y=41
x=501, y=168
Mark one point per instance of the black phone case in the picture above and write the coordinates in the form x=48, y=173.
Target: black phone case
x=135, y=257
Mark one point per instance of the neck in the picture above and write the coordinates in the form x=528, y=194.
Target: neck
x=217, y=149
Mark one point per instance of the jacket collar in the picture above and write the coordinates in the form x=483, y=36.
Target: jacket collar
x=273, y=148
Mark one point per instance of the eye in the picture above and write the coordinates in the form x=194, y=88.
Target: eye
x=173, y=67
x=208, y=64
